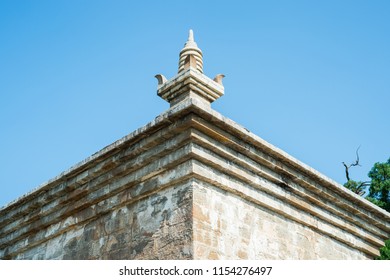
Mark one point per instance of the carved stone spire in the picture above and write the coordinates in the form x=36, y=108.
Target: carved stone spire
x=191, y=52
x=190, y=82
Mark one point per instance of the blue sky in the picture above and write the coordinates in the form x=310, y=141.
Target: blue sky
x=310, y=77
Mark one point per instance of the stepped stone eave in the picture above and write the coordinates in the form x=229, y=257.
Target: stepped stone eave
x=201, y=117
x=193, y=105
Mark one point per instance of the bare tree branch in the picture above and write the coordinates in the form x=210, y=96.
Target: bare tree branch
x=347, y=167
x=355, y=186
x=346, y=170
x=357, y=157
x=361, y=187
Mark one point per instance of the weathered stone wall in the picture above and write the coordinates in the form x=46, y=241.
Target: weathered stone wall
x=156, y=227
x=226, y=226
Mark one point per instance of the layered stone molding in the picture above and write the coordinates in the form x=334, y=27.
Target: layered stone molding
x=191, y=184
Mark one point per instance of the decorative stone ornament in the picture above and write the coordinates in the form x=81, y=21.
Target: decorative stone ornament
x=191, y=48
x=190, y=82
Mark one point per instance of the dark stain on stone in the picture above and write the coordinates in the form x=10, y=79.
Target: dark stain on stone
x=135, y=227
x=71, y=245
x=124, y=238
x=142, y=206
x=158, y=204
x=166, y=215
x=181, y=196
x=147, y=234
x=147, y=186
x=88, y=235
x=140, y=246
x=120, y=254
x=80, y=248
x=285, y=184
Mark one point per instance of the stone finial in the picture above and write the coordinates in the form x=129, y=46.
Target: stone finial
x=190, y=82
x=191, y=36
x=191, y=48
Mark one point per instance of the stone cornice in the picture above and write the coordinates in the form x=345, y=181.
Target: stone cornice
x=208, y=114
